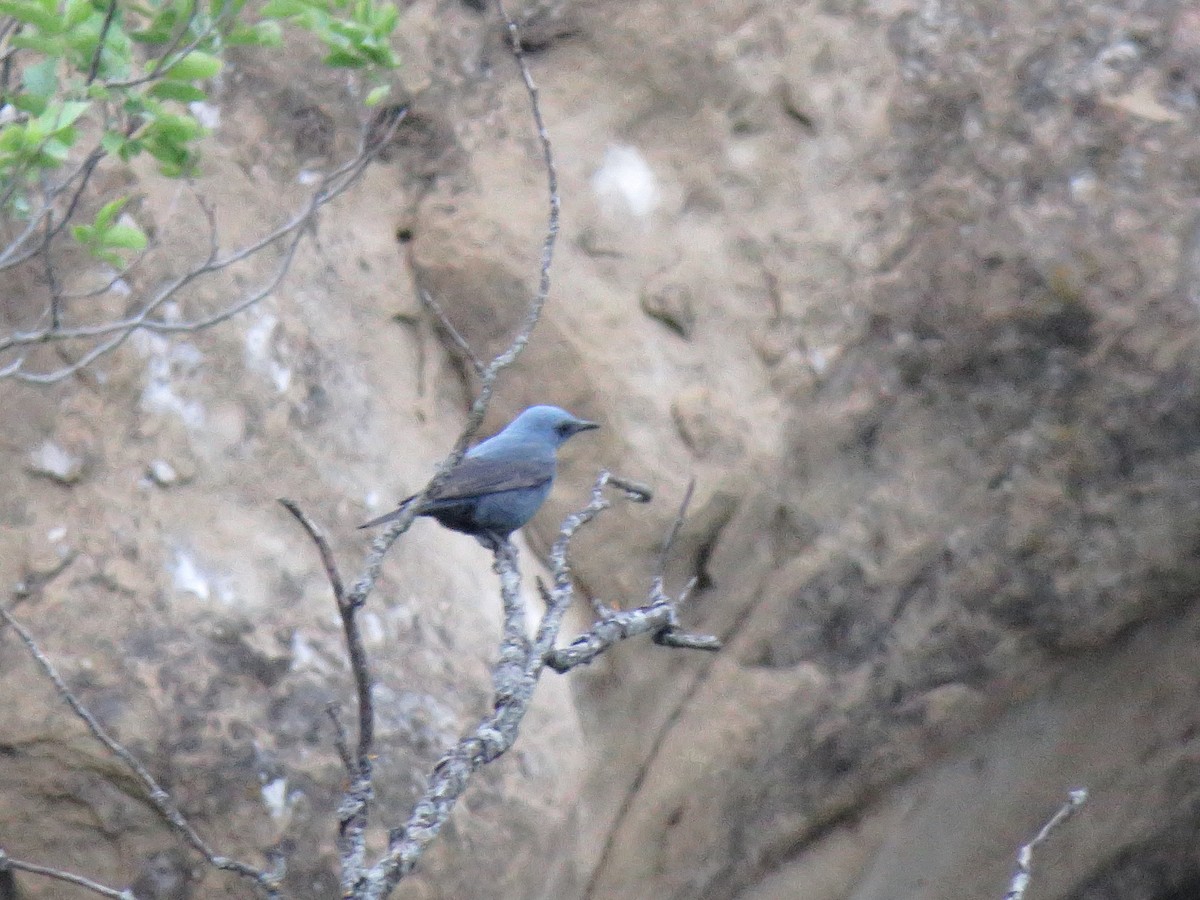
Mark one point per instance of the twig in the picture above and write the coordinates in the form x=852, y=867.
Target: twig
x=159, y=64
x=658, y=617
x=162, y=801
x=1024, y=875
x=498, y=731
x=460, y=342
x=94, y=68
x=534, y=313
x=672, y=534
x=37, y=582
x=515, y=677
x=487, y=380
x=354, y=811
x=514, y=647
x=493, y=736
x=7, y=863
x=110, y=335
x=17, y=251
x=341, y=742
x=514, y=692
x=634, y=490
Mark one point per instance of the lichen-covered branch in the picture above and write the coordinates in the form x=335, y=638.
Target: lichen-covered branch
x=657, y=617
x=515, y=677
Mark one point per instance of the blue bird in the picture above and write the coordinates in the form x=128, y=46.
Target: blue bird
x=502, y=481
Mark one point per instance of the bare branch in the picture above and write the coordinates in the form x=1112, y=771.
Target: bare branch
x=341, y=742
x=354, y=811
x=110, y=335
x=672, y=534
x=520, y=663
x=634, y=490
x=514, y=647
x=1024, y=875
x=618, y=626
x=8, y=863
x=267, y=882
x=535, y=310
x=514, y=677
x=657, y=617
x=534, y=313
x=383, y=541
x=459, y=341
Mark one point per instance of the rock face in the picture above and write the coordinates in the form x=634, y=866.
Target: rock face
x=910, y=289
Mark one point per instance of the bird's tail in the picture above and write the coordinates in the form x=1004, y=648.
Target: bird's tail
x=388, y=517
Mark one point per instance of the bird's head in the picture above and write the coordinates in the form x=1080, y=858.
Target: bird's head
x=548, y=423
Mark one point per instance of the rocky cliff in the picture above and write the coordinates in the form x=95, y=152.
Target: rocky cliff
x=909, y=288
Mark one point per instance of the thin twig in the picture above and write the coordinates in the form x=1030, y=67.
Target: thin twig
x=114, y=333
x=94, y=68
x=158, y=796
x=487, y=380
x=174, y=48
x=634, y=490
x=673, y=533
x=354, y=812
x=51, y=276
x=514, y=646
x=17, y=251
x=7, y=862
x=1024, y=875
x=658, y=617
x=460, y=342
x=534, y=313
x=341, y=742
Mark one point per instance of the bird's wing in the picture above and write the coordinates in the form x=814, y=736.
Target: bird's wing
x=476, y=476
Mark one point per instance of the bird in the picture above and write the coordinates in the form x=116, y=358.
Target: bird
x=501, y=482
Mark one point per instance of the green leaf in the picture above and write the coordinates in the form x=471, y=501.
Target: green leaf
x=71, y=111
x=32, y=13
x=54, y=153
x=196, y=66
x=35, y=106
x=83, y=234
x=260, y=34
x=282, y=9
x=127, y=237
x=157, y=32
x=377, y=94
x=44, y=45
x=176, y=90
x=41, y=79
x=108, y=213
x=176, y=128
x=12, y=138
x=75, y=13
x=343, y=59
x=114, y=143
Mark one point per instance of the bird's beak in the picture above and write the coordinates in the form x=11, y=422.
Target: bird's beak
x=583, y=425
